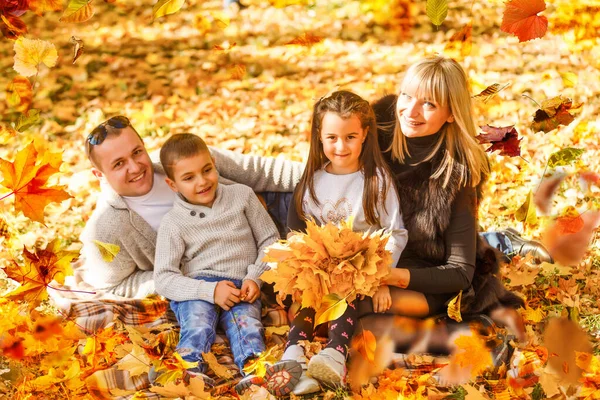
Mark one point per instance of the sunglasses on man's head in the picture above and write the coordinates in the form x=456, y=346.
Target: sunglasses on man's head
x=99, y=133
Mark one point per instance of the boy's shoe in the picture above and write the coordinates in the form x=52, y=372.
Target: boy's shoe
x=248, y=381
x=282, y=377
x=328, y=367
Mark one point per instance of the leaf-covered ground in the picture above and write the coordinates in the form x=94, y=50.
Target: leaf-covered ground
x=246, y=81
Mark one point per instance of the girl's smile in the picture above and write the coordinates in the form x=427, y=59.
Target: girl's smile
x=342, y=141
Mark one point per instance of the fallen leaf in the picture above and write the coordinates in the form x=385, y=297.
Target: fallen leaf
x=19, y=94
x=166, y=7
x=30, y=53
x=522, y=278
x=553, y=112
x=506, y=139
x=27, y=176
x=77, y=47
x=108, y=251
x=520, y=18
x=136, y=362
x=307, y=39
x=220, y=370
x=27, y=120
x=78, y=11
x=454, y=307
x=332, y=307
x=437, y=11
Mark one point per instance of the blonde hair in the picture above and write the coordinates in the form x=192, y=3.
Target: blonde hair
x=445, y=82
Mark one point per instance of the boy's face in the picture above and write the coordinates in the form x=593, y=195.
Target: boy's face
x=124, y=162
x=196, y=178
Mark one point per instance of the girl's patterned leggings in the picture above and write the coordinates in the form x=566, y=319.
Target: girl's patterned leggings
x=340, y=330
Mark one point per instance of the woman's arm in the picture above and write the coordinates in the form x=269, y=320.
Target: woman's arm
x=262, y=174
x=461, y=243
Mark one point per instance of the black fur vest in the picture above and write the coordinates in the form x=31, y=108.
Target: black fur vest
x=426, y=210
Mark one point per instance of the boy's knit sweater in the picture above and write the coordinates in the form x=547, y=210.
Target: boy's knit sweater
x=226, y=240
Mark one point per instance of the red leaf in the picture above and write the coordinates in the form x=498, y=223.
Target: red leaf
x=570, y=248
x=506, y=139
x=521, y=19
x=569, y=224
x=12, y=27
x=554, y=112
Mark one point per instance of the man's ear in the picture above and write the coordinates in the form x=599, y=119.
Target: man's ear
x=171, y=184
x=97, y=173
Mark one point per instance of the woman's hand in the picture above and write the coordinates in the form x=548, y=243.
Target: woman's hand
x=399, y=277
x=382, y=300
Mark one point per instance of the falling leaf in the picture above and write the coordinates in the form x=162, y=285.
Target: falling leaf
x=526, y=213
x=545, y=192
x=437, y=11
x=569, y=222
x=39, y=269
x=307, y=39
x=459, y=45
x=27, y=177
x=490, y=92
x=332, y=307
x=77, y=47
x=218, y=47
x=166, y=7
x=520, y=18
x=30, y=53
x=19, y=94
x=564, y=157
x=220, y=370
x=108, y=251
x=366, y=344
x=570, y=79
x=27, y=120
x=78, y=11
x=454, y=307
x=506, y=139
x=41, y=6
x=569, y=249
x=553, y=112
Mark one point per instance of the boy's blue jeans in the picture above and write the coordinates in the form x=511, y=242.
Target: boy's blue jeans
x=198, y=320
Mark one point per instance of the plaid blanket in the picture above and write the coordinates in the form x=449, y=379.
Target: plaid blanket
x=102, y=311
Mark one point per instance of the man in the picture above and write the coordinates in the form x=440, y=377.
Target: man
x=135, y=197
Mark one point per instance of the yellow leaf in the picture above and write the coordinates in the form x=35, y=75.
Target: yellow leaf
x=19, y=94
x=526, y=213
x=454, y=307
x=78, y=11
x=220, y=370
x=366, y=345
x=136, y=362
x=30, y=53
x=108, y=251
x=332, y=307
x=533, y=315
x=276, y=330
x=258, y=366
x=474, y=355
x=27, y=120
x=570, y=79
x=171, y=389
x=166, y=7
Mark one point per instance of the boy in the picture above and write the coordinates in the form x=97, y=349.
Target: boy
x=208, y=255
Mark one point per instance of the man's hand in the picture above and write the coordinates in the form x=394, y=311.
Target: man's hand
x=226, y=295
x=250, y=291
x=382, y=300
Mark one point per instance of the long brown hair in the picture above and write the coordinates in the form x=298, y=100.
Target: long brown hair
x=346, y=104
x=445, y=81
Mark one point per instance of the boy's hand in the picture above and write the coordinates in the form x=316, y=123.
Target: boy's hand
x=250, y=291
x=226, y=295
x=382, y=300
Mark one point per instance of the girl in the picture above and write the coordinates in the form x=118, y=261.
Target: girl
x=345, y=176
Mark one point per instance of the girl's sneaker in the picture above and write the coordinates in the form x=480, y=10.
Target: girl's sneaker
x=328, y=367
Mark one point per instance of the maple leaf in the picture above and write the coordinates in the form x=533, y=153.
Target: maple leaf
x=307, y=39
x=569, y=222
x=490, y=92
x=19, y=94
x=506, y=139
x=30, y=53
x=472, y=353
x=520, y=18
x=136, y=362
x=220, y=370
x=27, y=176
x=552, y=113
x=78, y=11
x=258, y=365
x=172, y=368
x=39, y=270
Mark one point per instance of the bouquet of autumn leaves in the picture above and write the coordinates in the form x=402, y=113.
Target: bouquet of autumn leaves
x=328, y=266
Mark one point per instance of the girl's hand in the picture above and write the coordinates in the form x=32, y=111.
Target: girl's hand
x=250, y=291
x=382, y=300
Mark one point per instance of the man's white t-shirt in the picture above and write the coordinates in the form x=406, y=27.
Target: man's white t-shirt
x=155, y=204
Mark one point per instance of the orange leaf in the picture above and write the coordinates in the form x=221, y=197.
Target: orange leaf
x=307, y=39
x=474, y=355
x=366, y=345
x=41, y=6
x=571, y=222
x=569, y=248
x=554, y=112
x=12, y=27
x=542, y=197
x=39, y=270
x=19, y=94
x=460, y=43
x=27, y=177
x=521, y=19
x=78, y=11
x=12, y=347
